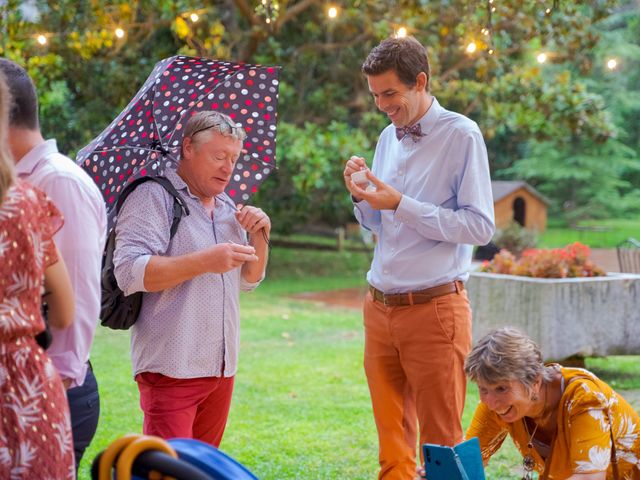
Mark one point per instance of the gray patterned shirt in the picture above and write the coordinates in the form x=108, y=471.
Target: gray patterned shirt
x=193, y=329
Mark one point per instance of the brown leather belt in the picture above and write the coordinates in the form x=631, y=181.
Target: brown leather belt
x=413, y=298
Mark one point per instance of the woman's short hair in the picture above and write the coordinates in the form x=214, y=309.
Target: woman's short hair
x=212, y=121
x=6, y=160
x=405, y=56
x=506, y=354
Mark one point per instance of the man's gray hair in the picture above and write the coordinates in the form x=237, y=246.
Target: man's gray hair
x=214, y=122
x=506, y=354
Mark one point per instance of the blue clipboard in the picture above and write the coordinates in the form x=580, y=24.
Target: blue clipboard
x=462, y=462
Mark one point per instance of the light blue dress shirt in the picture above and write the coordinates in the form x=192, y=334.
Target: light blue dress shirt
x=446, y=205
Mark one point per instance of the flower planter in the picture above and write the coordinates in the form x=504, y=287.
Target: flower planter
x=593, y=316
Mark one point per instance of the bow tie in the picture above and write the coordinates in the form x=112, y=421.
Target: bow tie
x=414, y=131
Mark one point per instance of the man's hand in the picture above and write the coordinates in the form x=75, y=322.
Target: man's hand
x=258, y=225
x=253, y=219
x=354, y=164
x=383, y=197
x=224, y=257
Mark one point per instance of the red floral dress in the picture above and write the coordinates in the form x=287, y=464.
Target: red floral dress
x=35, y=434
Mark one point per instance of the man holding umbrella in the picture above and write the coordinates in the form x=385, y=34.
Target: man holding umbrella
x=184, y=345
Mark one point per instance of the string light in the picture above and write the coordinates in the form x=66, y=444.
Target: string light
x=269, y=10
x=488, y=30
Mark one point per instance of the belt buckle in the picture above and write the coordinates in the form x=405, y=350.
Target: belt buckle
x=384, y=300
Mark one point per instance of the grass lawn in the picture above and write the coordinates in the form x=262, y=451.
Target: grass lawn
x=595, y=233
x=301, y=406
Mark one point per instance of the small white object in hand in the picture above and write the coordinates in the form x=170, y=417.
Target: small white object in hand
x=359, y=177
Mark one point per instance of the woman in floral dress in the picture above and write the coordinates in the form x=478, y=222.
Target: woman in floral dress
x=35, y=434
x=564, y=421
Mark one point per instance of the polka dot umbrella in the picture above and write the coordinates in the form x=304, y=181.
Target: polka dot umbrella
x=145, y=137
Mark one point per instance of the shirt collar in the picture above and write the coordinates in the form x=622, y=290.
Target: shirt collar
x=430, y=118
x=27, y=164
x=176, y=179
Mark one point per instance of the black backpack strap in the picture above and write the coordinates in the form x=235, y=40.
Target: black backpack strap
x=179, y=205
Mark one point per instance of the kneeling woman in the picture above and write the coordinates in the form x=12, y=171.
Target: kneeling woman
x=564, y=421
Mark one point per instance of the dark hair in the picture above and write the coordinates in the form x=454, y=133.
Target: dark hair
x=405, y=56
x=24, y=108
x=6, y=161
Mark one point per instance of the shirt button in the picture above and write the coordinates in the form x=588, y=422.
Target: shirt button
x=399, y=172
x=386, y=272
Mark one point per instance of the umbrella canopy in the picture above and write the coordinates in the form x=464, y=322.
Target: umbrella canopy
x=146, y=136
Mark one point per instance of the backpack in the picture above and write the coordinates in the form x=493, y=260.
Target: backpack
x=117, y=311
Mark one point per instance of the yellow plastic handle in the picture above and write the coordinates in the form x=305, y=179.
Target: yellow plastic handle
x=135, y=448
x=111, y=453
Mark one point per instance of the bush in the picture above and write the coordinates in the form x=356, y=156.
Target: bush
x=308, y=187
x=570, y=261
x=515, y=238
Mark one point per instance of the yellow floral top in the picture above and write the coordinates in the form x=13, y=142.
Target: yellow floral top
x=583, y=441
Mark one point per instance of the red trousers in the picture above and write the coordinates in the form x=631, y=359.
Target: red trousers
x=185, y=407
x=414, y=362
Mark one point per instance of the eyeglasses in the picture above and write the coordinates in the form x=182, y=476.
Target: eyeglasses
x=224, y=128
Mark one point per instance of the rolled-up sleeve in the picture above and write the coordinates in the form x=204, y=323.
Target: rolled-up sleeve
x=249, y=286
x=142, y=230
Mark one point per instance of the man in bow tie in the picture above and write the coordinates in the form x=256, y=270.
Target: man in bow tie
x=428, y=202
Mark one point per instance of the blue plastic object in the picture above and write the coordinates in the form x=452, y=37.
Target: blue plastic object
x=210, y=460
x=462, y=462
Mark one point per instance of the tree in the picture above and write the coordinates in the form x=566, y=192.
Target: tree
x=86, y=73
x=585, y=177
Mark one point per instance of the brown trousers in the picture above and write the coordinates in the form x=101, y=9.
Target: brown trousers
x=414, y=359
